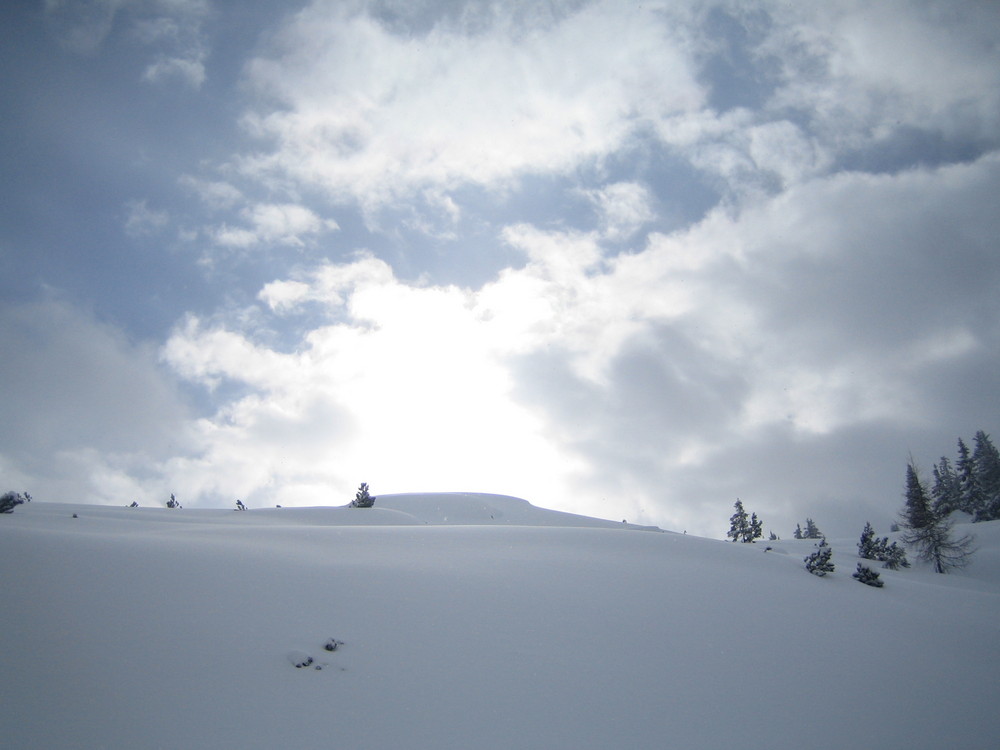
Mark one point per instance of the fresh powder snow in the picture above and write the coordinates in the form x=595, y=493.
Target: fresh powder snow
x=466, y=620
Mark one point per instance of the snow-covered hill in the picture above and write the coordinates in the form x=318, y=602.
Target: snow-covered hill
x=474, y=621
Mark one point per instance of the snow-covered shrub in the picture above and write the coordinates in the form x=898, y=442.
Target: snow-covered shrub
x=173, y=502
x=867, y=576
x=10, y=500
x=893, y=556
x=362, y=499
x=820, y=562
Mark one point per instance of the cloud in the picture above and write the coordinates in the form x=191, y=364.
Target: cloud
x=370, y=113
x=85, y=412
x=624, y=207
x=171, y=28
x=142, y=220
x=826, y=312
x=274, y=223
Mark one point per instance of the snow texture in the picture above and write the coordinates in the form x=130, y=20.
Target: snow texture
x=474, y=621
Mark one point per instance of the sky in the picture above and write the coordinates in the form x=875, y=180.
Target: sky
x=630, y=260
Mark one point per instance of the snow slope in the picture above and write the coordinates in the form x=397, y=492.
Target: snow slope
x=474, y=621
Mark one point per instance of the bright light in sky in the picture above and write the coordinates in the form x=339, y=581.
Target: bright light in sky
x=628, y=260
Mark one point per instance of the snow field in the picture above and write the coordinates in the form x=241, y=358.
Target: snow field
x=474, y=621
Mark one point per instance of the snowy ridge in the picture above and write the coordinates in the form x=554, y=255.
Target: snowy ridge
x=468, y=620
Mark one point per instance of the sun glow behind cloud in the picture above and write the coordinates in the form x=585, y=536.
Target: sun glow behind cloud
x=615, y=258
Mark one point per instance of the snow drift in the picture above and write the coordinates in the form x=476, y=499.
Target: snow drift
x=474, y=621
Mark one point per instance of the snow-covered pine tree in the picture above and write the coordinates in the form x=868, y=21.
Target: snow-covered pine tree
x=739, y=523
x=928, y=534
x=797, y=534
x=362, y=499
x=756, y=529
x=867, y=576
x=892, y=555
x=867, y=546
x=820, y=562
x=917, y=512
x=173, y=502
x=986, y=464
x=812, y=531
x=971, y=498
x=946, y=491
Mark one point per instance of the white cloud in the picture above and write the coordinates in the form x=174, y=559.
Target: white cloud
x=624, y=207
x=274, y=223
x=369, y=114
x=191, y=70
x=216, y=194
x=784, y=324
x=142, y=220
x=172, y=27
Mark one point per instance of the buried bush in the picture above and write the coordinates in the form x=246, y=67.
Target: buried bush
x=867, y=576
x=362, y=499
x=10, y=500
x=820, y=562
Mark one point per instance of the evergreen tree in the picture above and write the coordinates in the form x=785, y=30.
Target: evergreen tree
x=868, y=546
x=867, y=576
x=797, y=534
x=742, y=528
x=929, y=534
x=240, y=505
x=820, y=562
x=871, y=547
x=971, y=498
x=812, y=531
x=917, y=512
x=986, y=465
x=738, y=522
x=173, y=502
x=946, y=491
x=892, y=555
x=362, y=499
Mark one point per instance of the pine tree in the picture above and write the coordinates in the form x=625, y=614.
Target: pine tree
x=892, y=555
x=812, y=531
x=928, y=534
x=971, y=498
x=946, y=491
x=738, y=523
x=986, y=465
x=820, y=562
x=756, y=528
x=867, y=576
x=868, y=546
x=362, y=499
x=917, y=512
x=797, y=534
x=173, y=502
